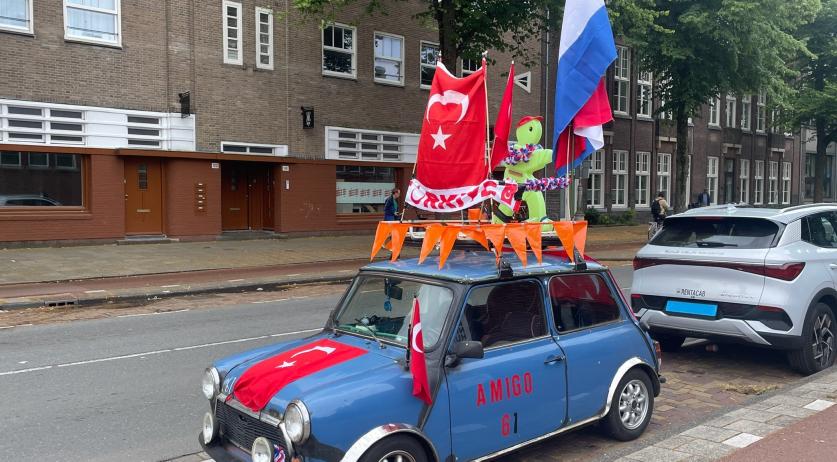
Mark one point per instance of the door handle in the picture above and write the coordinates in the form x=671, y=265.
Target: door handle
x=554, y=359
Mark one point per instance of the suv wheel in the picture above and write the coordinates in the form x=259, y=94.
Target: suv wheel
x=669, y=343
x=398, y=448
x=818, y=350
x=631, y=407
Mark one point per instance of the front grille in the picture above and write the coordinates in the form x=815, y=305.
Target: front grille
x=242, y=429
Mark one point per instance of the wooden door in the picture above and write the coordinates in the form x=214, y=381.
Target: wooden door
x=234, y=203
x=267, y=174
x=256, y=195
x=143, y=196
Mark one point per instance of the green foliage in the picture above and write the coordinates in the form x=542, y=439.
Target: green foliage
x=592, y=216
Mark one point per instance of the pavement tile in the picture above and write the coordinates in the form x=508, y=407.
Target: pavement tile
x=792, y=411
x=722, y=421
x=658, y=455
x=819, y=405
x=710, y=433
x=783, y=420
x=674, y=442
x=705, y=448
x=788, y=400
x=755, y=428
x=742, y=440
x=753, y=414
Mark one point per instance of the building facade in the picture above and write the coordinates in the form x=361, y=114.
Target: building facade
x=187, y=119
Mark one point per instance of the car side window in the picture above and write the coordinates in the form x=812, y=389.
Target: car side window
x=501, y=314
x=581, y=301
x=821, y=230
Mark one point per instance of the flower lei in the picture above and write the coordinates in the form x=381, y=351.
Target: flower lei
x=547, y=184
x=523, y=154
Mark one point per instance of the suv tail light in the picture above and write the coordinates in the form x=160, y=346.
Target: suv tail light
x=785, y=272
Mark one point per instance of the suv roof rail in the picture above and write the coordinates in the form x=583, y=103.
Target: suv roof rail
x=805, y=206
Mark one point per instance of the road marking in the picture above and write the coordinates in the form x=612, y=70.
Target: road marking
x=16, y=325
x=158, y=352
x=170, y=285
x=151, y=314
x=235, y=280
x=346, y=271
x=271, y=301
x=300, y=298
x=292, y=275
x=94, y=291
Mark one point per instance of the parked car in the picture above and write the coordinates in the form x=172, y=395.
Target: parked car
x=512, y=356
x=27, y=200
x=760, y=276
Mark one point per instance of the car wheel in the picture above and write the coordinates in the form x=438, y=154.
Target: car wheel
x=396, y=448
x=669, y=343
x=817, y=352
x=631, y=407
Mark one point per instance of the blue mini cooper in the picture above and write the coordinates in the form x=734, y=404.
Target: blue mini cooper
x=514, y=354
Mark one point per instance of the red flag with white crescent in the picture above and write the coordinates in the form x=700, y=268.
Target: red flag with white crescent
x=502, y=125
x=418, y=366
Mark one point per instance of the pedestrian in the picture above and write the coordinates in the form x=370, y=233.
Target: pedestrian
x=391, y=205
x=704, y=199
x=659, y=208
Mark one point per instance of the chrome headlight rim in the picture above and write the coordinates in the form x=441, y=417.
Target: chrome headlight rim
x=301, y=436
x=211, y=378
x=267, y=447
x=209, y=429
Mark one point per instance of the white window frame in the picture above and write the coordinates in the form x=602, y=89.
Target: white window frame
x=731, y=109
x=712, y=166
x=644, y=98
x=467, y=71
x=643, y=177
x=744, y=181
x=715, y=111
x=278, y=150
x=422, y=65
x=761, y=112
x=345, y=75
x=270, y=54
x=787, y=168
x=746, y=112
x=343, y=143
x=19, y=163
x=664, y=174
x=620, y=179
x=401, y=63
x=594, y=199
x=773, y=182
x=622, y=79
x=239, y=27
x=73, y=38
x=30, y=21
x=758, y=183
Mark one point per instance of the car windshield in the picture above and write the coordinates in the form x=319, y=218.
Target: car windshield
x=717, y=232
x=384, y=305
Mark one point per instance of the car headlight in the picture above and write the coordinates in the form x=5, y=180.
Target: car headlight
x=211, y=385
x=297, y=422
x=209, y=429
x=262, y=450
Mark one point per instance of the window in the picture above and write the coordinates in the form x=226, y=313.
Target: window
x=820, y=230
x=758, y=183
x=503, y=314
x=94, y=21
x=353, y=144
x=389, y=58
x=744, y=182
x=428, y=57
x=259, y=149
x=746, y=111
x=144, y=131
x=717, y=232
x=469, y=66
x=664, y=174
x=786, y=182
x=810, y=167
x=596, y=197
x=581, y=301
x=339, y=51
x=363, y=189
x=264, y=38
x=620, y=178
x=712, y=179
x=643, y=174
x=27, y=179
x=772, y=183
x=643, y=94
x=714, y=111
x=775, y=115
x=622, y=80
x=761, y=112
x=16, y=15
x=232, y=33
x=731, y=109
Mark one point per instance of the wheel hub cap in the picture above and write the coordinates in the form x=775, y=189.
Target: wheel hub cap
x=823, y=341
x=633, y=404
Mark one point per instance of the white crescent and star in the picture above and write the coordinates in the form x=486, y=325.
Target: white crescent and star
x=448, y=97
x=286, y=364
x=439, y=139
x=414, y=341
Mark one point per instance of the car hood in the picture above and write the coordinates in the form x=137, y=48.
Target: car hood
x=371, y=367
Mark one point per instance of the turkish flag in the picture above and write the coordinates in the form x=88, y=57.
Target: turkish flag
x=502, y=125
x=264, y=379
x=418, y=366
x=451, y=150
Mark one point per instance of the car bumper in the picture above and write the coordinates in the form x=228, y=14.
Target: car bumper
x=734, y=330
x=224, y=452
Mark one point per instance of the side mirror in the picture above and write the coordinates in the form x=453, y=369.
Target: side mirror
x=463, y=350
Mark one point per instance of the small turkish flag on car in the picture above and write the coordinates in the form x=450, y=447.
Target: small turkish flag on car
x=418, y=367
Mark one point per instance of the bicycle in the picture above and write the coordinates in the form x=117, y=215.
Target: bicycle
x=654, y=227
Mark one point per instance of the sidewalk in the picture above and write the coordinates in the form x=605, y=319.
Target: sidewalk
x=60, y=276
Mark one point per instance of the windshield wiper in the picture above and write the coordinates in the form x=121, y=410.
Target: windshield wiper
x=714, y=244
x=380, y=343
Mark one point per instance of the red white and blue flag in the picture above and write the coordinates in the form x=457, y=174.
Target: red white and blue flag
x=581, y=104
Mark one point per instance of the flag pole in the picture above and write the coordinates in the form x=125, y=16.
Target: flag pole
x=570, y=150
x=488, y=144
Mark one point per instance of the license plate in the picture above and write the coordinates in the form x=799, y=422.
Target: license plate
x=696, y=309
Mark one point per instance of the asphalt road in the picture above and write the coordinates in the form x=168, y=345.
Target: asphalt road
x=128, y=388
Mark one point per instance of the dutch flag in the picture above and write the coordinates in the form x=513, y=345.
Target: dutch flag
x=585, y=52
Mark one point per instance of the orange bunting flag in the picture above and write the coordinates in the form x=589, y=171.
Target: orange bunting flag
x=496, y=234
x=533, y=236
x=580, y=232
x=516, y=232
x=564, y=230
x=477, y=234
x=448, y=240
x=432, y=234
x=381, y=235
x=399, y=233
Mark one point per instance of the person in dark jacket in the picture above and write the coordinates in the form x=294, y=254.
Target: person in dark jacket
x=391, y=205
x=704, y=199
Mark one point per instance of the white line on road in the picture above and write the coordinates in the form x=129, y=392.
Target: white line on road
x=16, y=325
x=158, y=352
x=235, y=280
x=151, y=314
x=170, y=285
x=271, y=301
x=94, y=291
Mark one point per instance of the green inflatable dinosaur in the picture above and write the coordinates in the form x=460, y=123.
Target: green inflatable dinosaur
x=524, y=159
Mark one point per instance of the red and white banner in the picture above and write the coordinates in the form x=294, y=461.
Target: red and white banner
x=418, y=366
x=262, y=380
x=451, y=200
x=502, y=125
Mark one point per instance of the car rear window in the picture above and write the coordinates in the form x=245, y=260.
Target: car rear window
x=721, y=232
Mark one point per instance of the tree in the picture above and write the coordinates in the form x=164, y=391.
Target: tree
x=816, y=99
x=702, y=48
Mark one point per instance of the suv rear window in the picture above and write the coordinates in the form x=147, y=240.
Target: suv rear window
x=709, y=232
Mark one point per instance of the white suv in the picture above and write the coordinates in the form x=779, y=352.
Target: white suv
x=734, y=273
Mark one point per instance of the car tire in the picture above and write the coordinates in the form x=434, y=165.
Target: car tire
x=391, y=448
x=819, y=344
x=631, y=407
x=669, y=343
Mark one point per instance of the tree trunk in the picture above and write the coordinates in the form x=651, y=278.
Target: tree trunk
x=446, y=21
x=680, y=201
x=819, y=165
